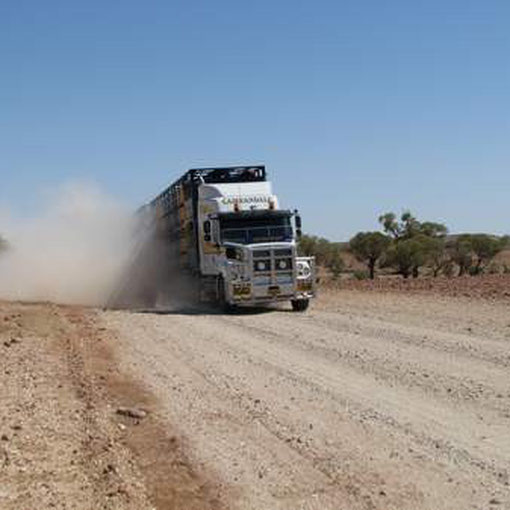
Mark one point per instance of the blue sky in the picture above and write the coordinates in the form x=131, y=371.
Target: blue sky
x=356, y=107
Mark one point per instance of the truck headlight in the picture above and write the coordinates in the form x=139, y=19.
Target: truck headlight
x=283, y=264
x=262, y=265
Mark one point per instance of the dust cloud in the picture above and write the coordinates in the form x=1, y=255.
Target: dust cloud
x=72, y=251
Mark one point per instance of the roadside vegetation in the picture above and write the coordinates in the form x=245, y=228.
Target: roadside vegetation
x=409, y=248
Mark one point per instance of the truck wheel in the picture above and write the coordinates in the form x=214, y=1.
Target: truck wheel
x=300, y=305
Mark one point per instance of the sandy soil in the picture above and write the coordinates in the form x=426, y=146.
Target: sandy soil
x=367, y=401
x=63, y=442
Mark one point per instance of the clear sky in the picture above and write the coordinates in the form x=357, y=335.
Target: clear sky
x=355, y=106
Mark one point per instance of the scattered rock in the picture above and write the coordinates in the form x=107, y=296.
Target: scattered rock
x=494, y=501
x=110, y=468
x=4, y=456
x=132, y=412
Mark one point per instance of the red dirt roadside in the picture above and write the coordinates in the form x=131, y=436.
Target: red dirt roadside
x=62, y=443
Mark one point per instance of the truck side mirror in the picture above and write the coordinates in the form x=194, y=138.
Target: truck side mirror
x=299, y=232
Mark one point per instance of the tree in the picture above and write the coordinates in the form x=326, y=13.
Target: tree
x=426, y=242
x=406, y=256
x=474, y=252
x=432, y=229
x=460, y=251
x=3, y=244
x=390, y=225
x=368, y=248
x=410, y=225
x=407, y=227
x=485, y=248
x=437, y=256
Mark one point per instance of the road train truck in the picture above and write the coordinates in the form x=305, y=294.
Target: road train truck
x=223, y=228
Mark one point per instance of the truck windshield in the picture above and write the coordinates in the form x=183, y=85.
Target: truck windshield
x=249, y=227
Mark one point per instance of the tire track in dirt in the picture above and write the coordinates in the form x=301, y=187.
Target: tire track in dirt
x=391, y=359
x=432, y=421
x=170, y=481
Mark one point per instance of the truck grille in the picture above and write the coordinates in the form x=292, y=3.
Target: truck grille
x=278, y=260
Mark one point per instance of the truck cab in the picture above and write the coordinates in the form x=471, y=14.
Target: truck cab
x=248, y=245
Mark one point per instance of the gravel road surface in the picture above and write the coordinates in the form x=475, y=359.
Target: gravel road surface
x=368, y=400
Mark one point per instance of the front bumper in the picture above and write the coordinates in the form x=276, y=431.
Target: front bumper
x=252, y=286
x=244, y=295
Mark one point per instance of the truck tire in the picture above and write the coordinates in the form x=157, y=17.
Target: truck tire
x=300, y=305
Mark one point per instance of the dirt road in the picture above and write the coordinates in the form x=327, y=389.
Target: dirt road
x=367, y=401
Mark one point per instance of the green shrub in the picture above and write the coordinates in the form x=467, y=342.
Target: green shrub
x=360, y=275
